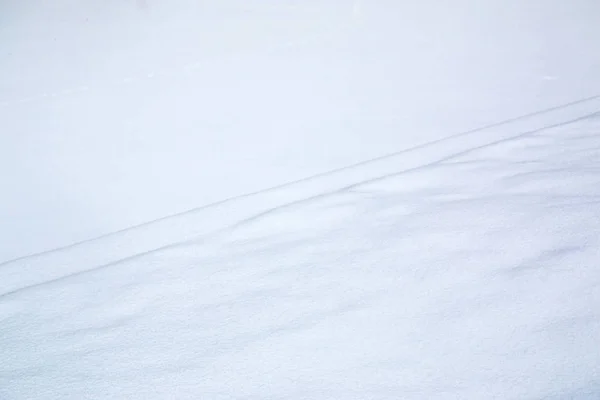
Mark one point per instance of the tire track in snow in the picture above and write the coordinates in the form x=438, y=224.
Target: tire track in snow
x=434, y=163
x=188, y=227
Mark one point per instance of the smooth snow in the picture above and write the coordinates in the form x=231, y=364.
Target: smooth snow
x=114, y=114
x=473, y=276
x=386, y=200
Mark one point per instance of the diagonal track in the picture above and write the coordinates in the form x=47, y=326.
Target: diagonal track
x=178, y=229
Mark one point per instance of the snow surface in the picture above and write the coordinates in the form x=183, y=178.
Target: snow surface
x=114, y=114
x=383, y=210
x=473, y=275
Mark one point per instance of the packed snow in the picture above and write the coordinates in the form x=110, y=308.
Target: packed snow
x=341, y=199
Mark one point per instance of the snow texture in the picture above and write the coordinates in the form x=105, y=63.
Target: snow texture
x=437, y=244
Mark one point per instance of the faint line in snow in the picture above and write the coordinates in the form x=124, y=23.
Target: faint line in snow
x=402, y=152
x=276, y=208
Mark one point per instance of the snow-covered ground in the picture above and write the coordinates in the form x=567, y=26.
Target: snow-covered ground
x=113, y=114
x=473, y=275
x=387, y=200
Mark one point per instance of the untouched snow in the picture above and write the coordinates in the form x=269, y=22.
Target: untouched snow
x=474, y=275
x=113, y=115
x=387, y=200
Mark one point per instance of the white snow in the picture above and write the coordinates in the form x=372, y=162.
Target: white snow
x=385, y=200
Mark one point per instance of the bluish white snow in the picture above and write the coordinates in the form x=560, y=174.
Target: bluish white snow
x=341, y=199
